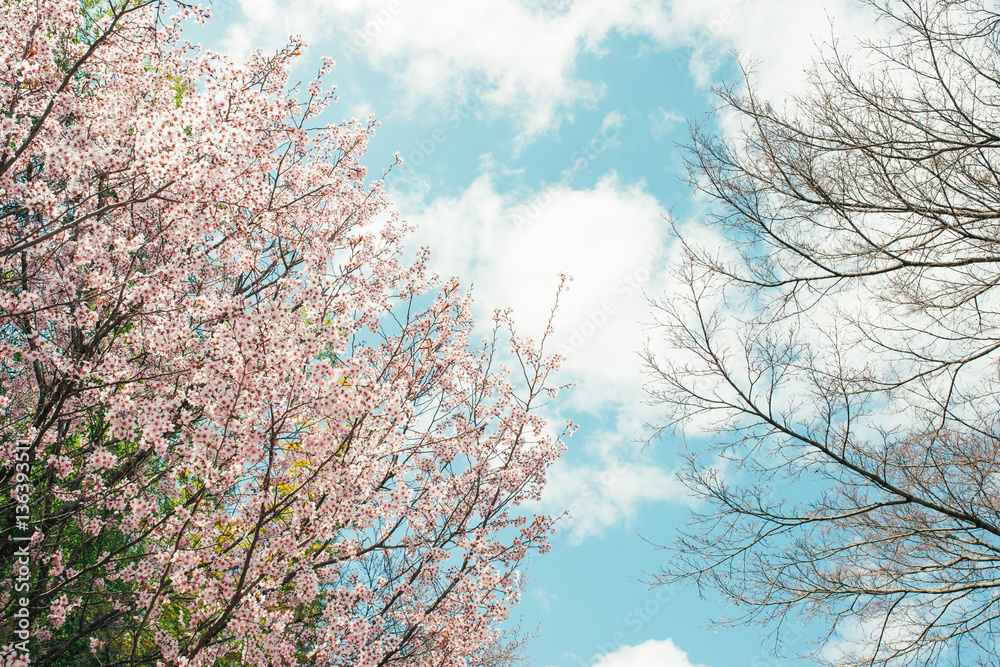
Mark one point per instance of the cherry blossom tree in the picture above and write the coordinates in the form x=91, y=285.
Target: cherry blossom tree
x=237, y=427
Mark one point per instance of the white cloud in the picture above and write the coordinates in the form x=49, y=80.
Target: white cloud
x=613, y=481
x=610, y=238
x=521, y=57
x=613, y=121
x=652, y=653
x=663, y=122
x=782, y=36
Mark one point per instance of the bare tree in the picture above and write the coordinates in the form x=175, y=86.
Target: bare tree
x=841, y=346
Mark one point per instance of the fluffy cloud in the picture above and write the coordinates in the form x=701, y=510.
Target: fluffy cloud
x=611, y=239
x=652, y=653
x=520, y=57
x=608, y=484
x=783, y=46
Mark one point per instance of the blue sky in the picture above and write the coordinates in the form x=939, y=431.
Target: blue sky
x=539, y=137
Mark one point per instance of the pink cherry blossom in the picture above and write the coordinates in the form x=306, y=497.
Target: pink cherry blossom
x=252, y=431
